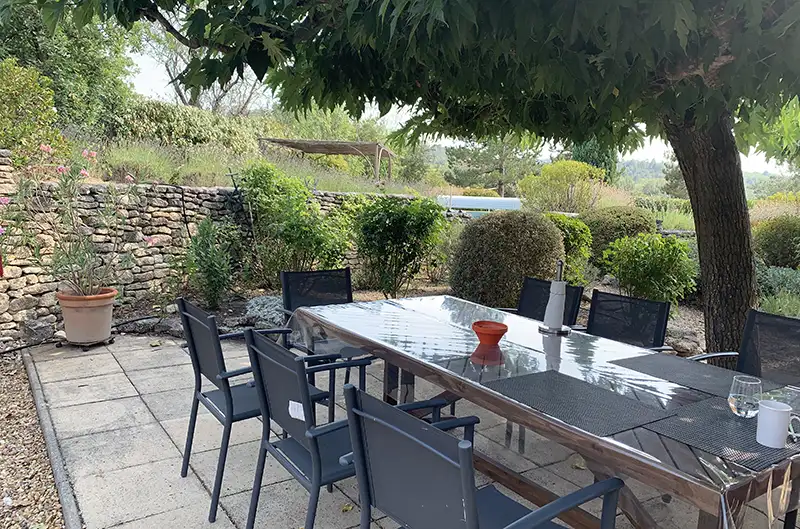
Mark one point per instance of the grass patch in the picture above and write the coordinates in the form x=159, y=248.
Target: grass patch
x=782, y=303
x=675, y=220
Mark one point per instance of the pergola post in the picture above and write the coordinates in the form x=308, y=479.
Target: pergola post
x=377, y=162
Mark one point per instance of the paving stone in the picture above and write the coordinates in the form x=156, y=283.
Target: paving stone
x=131, y=342
x=85, y=419
x=137, y=359
x=162, y=378
x=47, y=352
x=234, y=349
x=502, y=454
x=167, y=405
x=488, y=419
x=85, y=390
x=240, y=467
x=78, y=367
x=677, y=514
x=557, y=485
x=191, y=517
x=208, y=432
x=574, y=470
x=284, y=506
x=116, y=449
x=538, y=449
x=129, y=494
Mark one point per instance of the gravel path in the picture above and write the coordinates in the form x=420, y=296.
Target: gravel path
x=27, y=491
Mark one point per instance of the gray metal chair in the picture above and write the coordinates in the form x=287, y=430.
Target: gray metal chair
x=634, y=321
x=423, y=478
x=318, y=287
x=534, y=297
x=227, y=403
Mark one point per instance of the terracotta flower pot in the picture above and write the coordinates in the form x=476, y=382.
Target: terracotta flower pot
x=487, y=355
x=489, y=332
x=87, y=319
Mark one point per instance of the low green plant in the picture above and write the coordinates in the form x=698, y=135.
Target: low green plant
x=564, y=186
x=777, y=241
x=479, y=192
x=437, y=264
x=208, y=261
x=782, y=303
x=653, y=267
x=496, y=251
x=664, y=204
x=577, y=246
x=393, y=237
x=612, y=223
x=774, y=279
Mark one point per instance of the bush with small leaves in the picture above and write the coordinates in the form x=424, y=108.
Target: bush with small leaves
x=577, y=246
x=566, y=186
x=208, y=262
x=496, y=251
x=479, y=192
x=653, y=267
x=777, y=241
x=609, y=224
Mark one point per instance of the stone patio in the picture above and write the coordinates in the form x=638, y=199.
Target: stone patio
x=120, y=414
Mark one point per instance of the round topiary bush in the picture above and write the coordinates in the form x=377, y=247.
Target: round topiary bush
x=496, y=251
x=609, y=224
x=777, y=241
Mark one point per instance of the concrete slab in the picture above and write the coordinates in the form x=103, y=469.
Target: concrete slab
x=191, y=517
x=167, y=405
x=137, y=359
x=162, y=378
x=106, y=451
x=208, y=433
x=131, y=342
x=538, y=449
x=284, y=505
x=47, y=352
x=240, y=468
x=556, y=484
x=132, y=493
x=85, y=419
x=234, y=349
x=677, y=514
x=78, y=367
x=86, y=390
x=502, y=454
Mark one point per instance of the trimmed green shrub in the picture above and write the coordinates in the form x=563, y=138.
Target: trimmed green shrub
x=208, y=262
x=609, y=224
x=496, y=251
x=393, y=237
x=479, y=192
x=777, y=241
x=566, y=186
x=774, y=279
x=27, y=116
x=437, y=264
x=577, y=246
x=652, y=267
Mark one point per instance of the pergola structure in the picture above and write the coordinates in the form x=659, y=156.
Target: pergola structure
x=368, y=149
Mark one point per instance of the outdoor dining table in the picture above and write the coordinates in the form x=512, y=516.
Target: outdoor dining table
x=659, y=419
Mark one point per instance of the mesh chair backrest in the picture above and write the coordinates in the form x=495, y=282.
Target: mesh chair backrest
x=321, y=287
x=277, y=376
x=639, y=322
x=771, y=347
x=410, y=469
x=202, y=338
x=535, y=295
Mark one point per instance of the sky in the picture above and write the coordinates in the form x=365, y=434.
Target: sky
x=151, y=80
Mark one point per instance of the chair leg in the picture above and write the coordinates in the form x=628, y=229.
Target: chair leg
x=790, y=520
x=312, y=507
x=251, y=514
x=521, y=443
x=509, y=432
x=187, y=450
x=223, y=454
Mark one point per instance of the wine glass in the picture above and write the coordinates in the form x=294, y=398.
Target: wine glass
x=744, y=396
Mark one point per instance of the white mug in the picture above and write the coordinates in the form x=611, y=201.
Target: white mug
x=774, y=422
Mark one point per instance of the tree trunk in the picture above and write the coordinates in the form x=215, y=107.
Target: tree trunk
x=710, y=163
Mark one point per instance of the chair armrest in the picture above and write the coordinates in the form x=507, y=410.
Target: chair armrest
x=320, y=396
x=661, y=348
x=468, y=423
x=570, y=501
x=507, y=309
x=235, y=373
x=435, y=405
x=346, y=460
x=579, y=328
x=311, y=358
x=240, y=334
x=318, y=431
x=725, y=354
x=361, y=362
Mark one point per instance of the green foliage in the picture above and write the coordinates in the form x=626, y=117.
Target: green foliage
x=783, y=304
x=777, y=241
x=208, y=261
x=88, y=65
x=393, y=237
x=653, y=267
x=479, y=192
x=413, y=164
x=577, y=246
x=27, y=117
x=597, y=155
x=773, y=280
x=674, y=183
x=664, y=204
x=609, y=224
x=565, y=186
x=437, y=263
x=496, y=251
x=494, y=162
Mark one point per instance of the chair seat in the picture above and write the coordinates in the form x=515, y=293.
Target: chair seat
x=331, y=447
x=496, y=510
x=245, y=401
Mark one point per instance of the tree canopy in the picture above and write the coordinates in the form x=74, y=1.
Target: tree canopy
x=493, y=162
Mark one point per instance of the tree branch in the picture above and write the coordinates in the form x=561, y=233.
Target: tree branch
x=153, y=14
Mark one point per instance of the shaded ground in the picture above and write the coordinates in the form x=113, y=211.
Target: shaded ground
x=27, y=489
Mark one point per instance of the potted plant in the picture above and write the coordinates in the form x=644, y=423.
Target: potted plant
x=75, y=237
